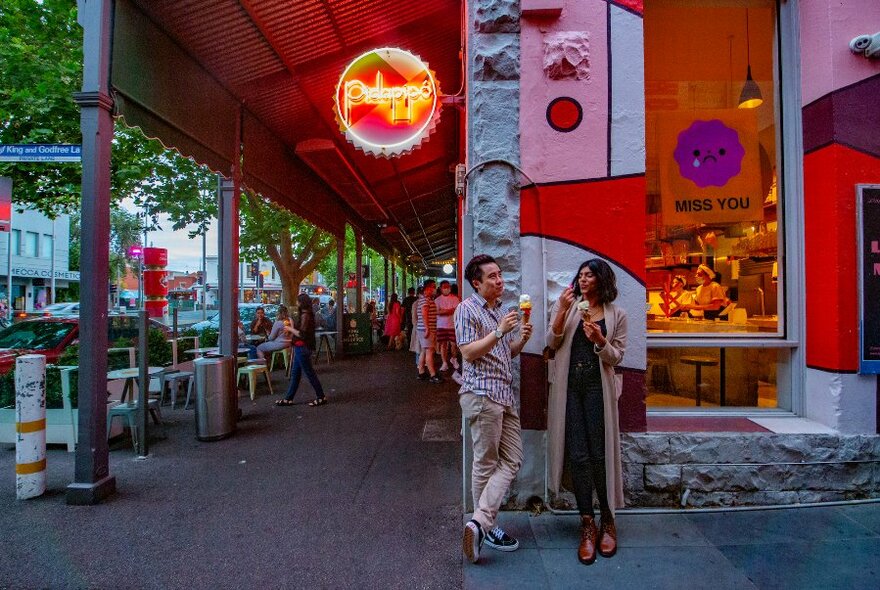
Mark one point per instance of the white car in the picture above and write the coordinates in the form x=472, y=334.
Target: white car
x=70, y=308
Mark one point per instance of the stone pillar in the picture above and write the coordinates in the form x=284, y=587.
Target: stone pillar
x=92, y=480
x=492, y=201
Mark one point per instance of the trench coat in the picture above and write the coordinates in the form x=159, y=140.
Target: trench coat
x=612, y=388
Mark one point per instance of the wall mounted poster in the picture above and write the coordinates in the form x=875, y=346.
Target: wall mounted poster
x=710, y=168
x=868, y=197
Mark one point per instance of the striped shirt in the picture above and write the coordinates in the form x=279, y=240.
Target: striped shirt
x=432, y=314
x=489, y=375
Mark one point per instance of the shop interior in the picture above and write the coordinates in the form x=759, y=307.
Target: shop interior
x=712, y=273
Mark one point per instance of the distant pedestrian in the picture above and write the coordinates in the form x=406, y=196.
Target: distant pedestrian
x=588, y=333
x=426, y=327
x=414, y=344
x=393, y=317
x=446, y=303
x=303, y=345
x=407, y=304
x=487, y=401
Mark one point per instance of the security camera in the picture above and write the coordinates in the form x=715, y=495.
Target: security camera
x=868, y=45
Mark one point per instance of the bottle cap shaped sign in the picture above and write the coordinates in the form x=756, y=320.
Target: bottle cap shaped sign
x=156, y=256
x=387, y=102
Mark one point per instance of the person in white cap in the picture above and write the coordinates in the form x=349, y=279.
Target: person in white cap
x=710, y=297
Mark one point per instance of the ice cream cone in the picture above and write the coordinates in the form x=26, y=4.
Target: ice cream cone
x=525, y=306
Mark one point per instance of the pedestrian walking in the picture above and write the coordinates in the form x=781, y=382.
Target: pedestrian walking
x=303, y=345
x=426, y=328
x=446, y=303
x=588, y=333
x=483, y=332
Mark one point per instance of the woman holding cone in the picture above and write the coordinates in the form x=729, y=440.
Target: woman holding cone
x=588, y=333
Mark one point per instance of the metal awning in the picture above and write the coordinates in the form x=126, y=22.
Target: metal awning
x=198, y=74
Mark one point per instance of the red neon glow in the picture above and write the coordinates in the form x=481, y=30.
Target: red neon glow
x=386, y=102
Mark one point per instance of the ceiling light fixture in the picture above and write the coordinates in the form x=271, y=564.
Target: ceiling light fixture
x=750, y=97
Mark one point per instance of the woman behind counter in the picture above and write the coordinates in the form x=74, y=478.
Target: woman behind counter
x=589, y=343
x=710, y=296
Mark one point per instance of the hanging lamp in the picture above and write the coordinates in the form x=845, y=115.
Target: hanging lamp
x=750, y=97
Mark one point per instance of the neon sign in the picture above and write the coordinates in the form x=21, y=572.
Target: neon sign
x=386, y=102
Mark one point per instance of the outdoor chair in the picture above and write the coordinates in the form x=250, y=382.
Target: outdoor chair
x=128, y=412
x=251, y=371
x=285, y=356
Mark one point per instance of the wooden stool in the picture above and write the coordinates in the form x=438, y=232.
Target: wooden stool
x=699, y=362
x=659, y=361
x=252, y=371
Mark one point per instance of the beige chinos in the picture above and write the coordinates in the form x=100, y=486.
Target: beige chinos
x=498, y=453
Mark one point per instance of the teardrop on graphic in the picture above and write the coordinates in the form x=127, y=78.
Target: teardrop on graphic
x=696, y=163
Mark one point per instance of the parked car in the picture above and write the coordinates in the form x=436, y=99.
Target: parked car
x=49, y=336
x=66, y=309
x=246, y=313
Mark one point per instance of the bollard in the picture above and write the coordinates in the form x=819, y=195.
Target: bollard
x=30, y=426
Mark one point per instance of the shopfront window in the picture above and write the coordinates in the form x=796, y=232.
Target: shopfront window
x=48, y=246
x=714, y=235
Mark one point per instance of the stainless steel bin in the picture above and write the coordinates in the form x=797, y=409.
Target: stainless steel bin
x=216, y=397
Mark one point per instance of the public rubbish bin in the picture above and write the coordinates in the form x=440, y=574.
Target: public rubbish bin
x=216, y=397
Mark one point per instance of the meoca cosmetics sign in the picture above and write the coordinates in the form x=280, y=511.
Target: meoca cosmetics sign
x=710, y=167
x=386, y=102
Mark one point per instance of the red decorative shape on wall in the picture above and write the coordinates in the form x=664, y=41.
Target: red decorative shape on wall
x=155, y=284
x=533, y=392
x=830, y=176
x=602, y=215
x=637, y=6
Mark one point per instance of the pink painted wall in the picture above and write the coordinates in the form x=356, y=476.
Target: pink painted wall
x=826, y=29
x=580, y=153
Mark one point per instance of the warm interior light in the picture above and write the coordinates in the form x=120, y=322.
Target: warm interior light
x=447, y=268
x=750, y=97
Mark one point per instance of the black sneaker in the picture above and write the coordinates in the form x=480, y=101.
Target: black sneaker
x=424, y=376
x=501, y=541
x=472, y=540
x=435, y=379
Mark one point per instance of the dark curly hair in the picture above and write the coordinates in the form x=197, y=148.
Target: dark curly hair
x=606, y=279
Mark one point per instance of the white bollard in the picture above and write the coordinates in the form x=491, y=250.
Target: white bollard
x=30, y=426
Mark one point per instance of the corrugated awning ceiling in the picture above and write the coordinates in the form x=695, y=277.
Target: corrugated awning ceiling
x=281, y=60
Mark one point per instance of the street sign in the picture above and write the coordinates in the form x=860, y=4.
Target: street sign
x=357, y=333
x=40, y=152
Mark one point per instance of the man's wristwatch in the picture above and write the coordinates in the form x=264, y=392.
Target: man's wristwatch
x=499, y=334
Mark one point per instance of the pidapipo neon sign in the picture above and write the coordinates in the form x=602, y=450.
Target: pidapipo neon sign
x=386, y=102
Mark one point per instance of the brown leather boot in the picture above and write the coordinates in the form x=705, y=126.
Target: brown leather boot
x=607, y=536
x=589, y=534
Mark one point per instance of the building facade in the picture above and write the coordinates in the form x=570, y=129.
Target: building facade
x=40, y=247
x=664, y=136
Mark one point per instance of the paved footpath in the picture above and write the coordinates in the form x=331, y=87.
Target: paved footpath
x=822, y=548
x=365, y=492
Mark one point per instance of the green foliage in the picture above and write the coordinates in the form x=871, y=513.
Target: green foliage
x=40, y=53
x=207, y=337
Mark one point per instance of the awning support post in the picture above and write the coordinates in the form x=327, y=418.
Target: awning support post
x=92, y=480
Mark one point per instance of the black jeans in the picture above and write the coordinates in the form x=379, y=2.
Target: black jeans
x=585, y=440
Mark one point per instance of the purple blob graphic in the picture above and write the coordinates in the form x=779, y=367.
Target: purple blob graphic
x=709, y=153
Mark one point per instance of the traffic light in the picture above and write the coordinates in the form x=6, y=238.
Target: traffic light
x=259, y=281
x=200, y=277
x=365, y=271
x=255, y=268
x=113, y=288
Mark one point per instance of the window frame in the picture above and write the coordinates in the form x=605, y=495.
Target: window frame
x=791, y=289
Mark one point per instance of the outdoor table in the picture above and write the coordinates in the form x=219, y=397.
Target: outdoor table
x=214, y=350
x=130, y=376
x=256, y=338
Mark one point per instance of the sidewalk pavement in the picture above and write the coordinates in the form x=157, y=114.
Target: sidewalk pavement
x=804, y=548
x=365, y=492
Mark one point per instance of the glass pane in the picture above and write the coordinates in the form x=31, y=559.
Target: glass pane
x=714, y=229
x=16, y=242
x=30, y=243
x=48, y=245
x=715, y=377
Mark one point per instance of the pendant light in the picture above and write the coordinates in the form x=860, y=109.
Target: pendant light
x=750, y=97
